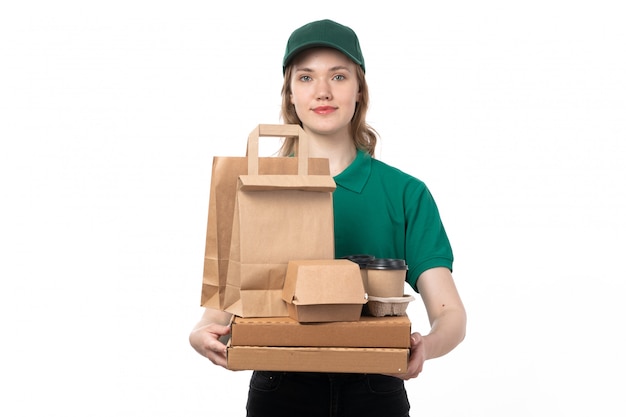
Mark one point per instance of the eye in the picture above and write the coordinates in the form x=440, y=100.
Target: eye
x=305, y=78
x=339, y=77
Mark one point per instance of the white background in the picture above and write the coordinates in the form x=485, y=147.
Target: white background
x=111, y=112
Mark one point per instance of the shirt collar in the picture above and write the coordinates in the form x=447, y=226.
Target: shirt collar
x=355, y=176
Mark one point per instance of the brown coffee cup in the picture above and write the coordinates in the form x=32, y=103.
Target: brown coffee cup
x=386, y=277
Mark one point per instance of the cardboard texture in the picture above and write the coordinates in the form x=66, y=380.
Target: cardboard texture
x=276, y=218
x=316, y=359
x=224, y=178
x=324, y=290
x=389, y=306
x=374, y=332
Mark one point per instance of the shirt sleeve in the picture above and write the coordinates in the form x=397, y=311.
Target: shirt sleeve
x=427, y=244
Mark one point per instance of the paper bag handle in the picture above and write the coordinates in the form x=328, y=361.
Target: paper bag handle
x=264, y=130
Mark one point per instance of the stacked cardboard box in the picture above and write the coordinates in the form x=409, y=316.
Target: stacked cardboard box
x=370, y=345
x=324, y=331
x=324, y=290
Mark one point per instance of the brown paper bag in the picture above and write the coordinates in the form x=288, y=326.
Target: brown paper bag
x=224, y=177
x=277, y=218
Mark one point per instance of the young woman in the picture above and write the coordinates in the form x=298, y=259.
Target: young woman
x=326, y=93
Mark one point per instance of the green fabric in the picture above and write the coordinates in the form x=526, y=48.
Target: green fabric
x=382, y=211
x=324, y=33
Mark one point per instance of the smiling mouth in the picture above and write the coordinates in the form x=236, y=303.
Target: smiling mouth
x=324, y=109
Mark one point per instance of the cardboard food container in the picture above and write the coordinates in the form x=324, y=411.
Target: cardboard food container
x=317, y=359
x=368, y=332
x=324, y=290
x=389, y=306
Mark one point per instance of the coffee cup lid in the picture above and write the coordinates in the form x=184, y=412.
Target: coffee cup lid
x=360, y=259
x=387, y=263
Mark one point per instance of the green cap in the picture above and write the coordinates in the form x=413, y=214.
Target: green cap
x=324, y=33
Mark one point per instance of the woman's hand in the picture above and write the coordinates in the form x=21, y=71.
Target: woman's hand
x=416, y=360
x=205, y=340
x=208, y=335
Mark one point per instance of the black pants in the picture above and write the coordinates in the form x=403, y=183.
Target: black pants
x=290, y=394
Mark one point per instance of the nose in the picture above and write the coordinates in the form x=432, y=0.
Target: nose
x=323, y=91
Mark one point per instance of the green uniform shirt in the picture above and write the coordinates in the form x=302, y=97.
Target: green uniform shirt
x=382, y=211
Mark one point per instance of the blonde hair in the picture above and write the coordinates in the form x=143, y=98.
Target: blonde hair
x=363, y=135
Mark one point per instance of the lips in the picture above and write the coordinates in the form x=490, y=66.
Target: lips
x=324, y=109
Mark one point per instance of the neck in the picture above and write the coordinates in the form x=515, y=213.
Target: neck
x=339, y=149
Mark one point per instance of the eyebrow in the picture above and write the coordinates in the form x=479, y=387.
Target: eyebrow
x=335, y=68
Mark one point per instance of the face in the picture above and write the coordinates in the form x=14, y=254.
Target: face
x=324, y=91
